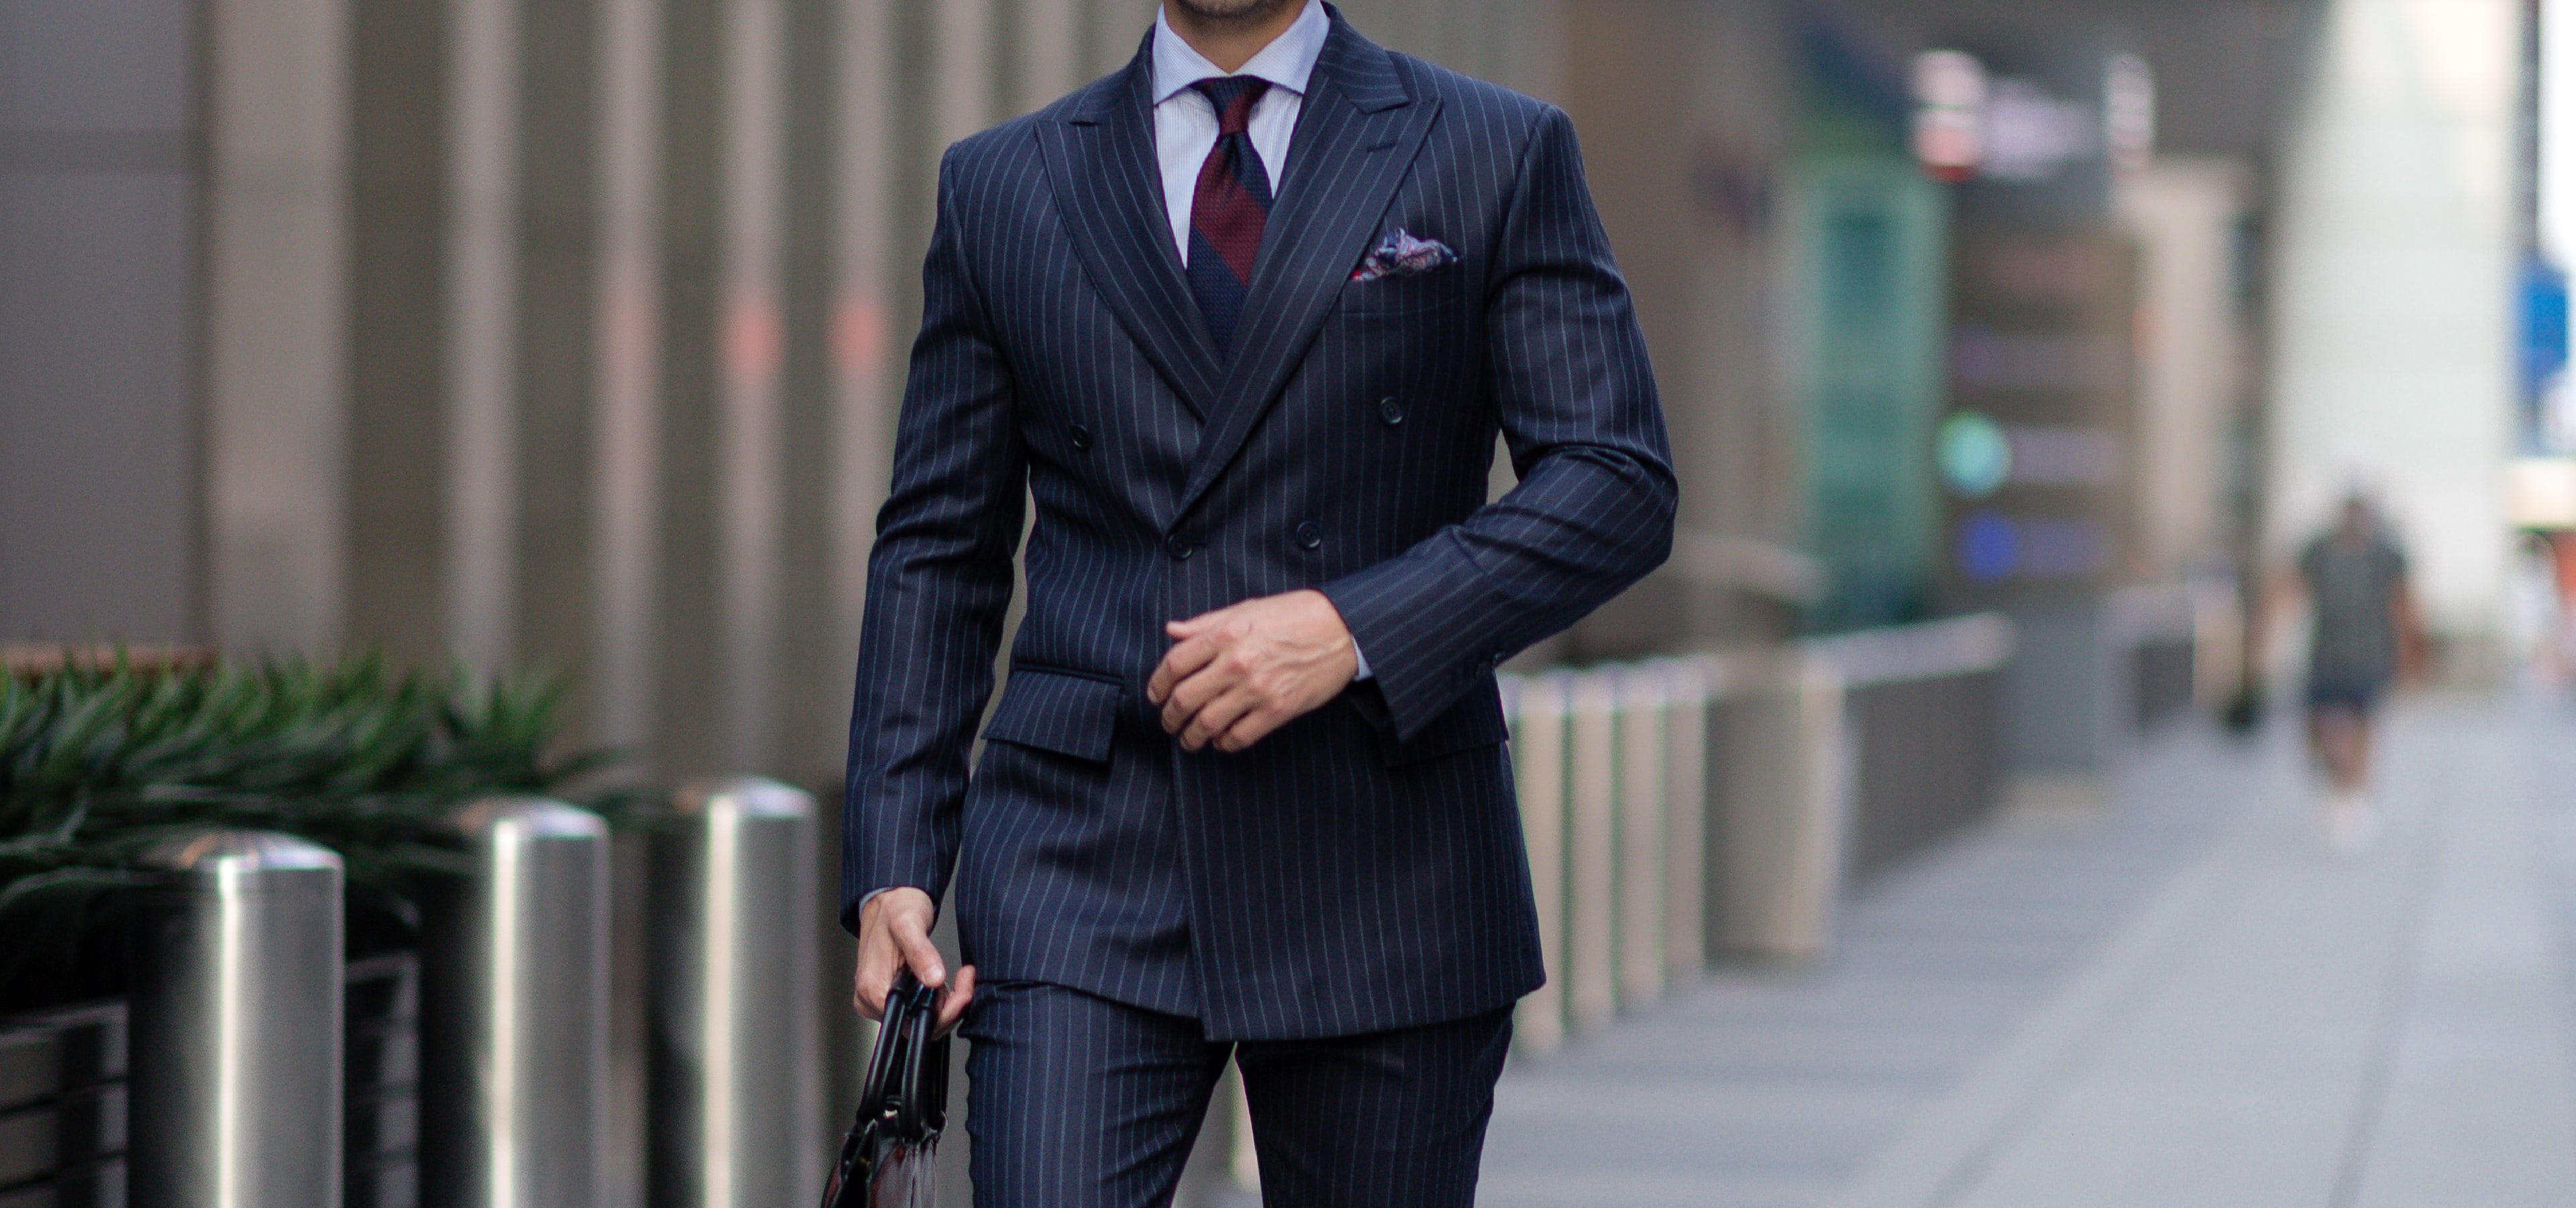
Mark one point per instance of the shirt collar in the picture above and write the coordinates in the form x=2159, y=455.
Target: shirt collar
x=1286, y=62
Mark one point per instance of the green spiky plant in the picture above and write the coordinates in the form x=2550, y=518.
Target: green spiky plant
x=99, y=761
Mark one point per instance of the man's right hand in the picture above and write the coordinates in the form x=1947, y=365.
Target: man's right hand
x=894, y=932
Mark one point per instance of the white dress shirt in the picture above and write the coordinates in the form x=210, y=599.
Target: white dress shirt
x=1185, y=123
x=1185, y=120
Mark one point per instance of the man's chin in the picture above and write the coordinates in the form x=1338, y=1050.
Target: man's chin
x=1232, y=10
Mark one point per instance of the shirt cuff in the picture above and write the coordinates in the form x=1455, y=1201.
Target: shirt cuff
x=1362, y=656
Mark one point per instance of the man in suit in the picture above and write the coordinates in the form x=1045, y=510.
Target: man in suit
x=1243, y=320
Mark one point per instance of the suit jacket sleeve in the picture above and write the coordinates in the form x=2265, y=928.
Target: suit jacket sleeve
x=1593, y=512
x=939, y=584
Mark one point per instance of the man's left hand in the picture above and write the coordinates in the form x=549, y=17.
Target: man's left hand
x=1247, y=669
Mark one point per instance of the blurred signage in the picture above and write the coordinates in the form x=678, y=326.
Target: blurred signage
x=2035, y=452
x=1975, y=456
x=2547, y=426
x=2048, y=126
x=2540, y=493
x=1950, y=113
x=1868, y=242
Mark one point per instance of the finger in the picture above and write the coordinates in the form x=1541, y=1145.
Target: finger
x=919, y=953
x=1252, y=727
x=1213, y=719
x=878, y=959
x=1180, y=663
x=953, y=1004
x=868, y=987
x=1207, y=684
x=1190, y=627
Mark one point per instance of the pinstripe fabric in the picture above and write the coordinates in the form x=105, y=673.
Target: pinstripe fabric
x=1079, y=1102
x=1362, y=869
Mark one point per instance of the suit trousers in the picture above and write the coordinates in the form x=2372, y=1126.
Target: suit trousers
x=1080, y=1102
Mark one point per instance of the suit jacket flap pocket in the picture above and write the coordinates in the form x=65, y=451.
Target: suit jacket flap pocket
x=1474, y=722
x=1052, y=711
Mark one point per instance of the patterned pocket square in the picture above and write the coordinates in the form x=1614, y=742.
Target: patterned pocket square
x=1402, y=255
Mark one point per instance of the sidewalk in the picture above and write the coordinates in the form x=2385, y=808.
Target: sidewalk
x=2175, y=1000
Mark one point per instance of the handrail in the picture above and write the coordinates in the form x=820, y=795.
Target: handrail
x=1968, y=645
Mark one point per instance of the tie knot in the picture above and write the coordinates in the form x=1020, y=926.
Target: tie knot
x=1233, y=97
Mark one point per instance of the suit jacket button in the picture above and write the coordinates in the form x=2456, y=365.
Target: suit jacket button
x=1310, y=534
x=1390, y=410
x=1179, y=548
x=1081, y=437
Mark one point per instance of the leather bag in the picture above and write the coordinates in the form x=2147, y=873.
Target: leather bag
x=891, y=1157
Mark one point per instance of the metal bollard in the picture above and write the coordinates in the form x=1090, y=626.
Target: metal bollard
x=1787, y=805
x=514, y=1012
x=736, y=1066
x=1691, y=683
x=1592, y=881
x=236, y=1025
x=1537, y=711
x=1642, y=811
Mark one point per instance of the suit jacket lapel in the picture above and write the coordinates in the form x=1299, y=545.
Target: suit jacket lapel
x=1109, y=190
x=1356, y=137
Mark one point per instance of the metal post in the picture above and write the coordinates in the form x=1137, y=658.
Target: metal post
x=736, y=1070
x=1693, y=681
x=1829, y=759
x=1642, y=811
x=1537, y=711
x=236, y=1025
x=1592, y=881
x=1787, y=805
x=514, y=1012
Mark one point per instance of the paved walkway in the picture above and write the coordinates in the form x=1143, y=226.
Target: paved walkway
x=2169, y=999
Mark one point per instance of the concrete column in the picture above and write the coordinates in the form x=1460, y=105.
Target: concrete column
x=2394, y=329
x=100, y=305
x=2184, y=212
x=1050, y=64
x=749, y=198
x=277, y=267
x=482, y=300
x=863, y=389
x=553, y=608
x=626, y=410
x=1115, y=27
x=965, y=61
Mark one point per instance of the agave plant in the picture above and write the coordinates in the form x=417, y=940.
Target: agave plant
x=99, y=761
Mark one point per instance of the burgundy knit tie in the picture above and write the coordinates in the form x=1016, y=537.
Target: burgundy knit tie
x=1228, y=209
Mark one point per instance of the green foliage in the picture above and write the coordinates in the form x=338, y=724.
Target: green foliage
x=98, y=762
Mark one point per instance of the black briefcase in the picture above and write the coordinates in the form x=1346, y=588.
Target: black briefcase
x=891, y=1158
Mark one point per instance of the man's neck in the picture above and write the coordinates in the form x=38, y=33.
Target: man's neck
x=1230, y=42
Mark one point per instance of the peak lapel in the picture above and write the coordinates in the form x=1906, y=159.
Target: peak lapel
x=1356, y=137
x=1109, y=191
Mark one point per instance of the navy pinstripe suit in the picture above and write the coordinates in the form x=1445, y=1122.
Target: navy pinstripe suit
x=1361, y=870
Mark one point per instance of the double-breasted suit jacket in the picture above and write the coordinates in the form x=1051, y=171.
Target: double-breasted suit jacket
x=1362, y=868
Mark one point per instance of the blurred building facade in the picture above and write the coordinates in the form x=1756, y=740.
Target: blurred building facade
x=569, y=333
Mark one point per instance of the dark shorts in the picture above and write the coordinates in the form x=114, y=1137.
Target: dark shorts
x=2351, y=696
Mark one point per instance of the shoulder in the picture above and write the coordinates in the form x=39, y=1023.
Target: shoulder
x=1472, y=102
